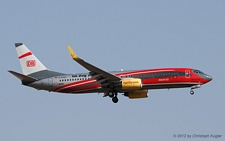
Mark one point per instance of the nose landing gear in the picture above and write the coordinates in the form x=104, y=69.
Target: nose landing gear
x=194, y=87
x=192, y=92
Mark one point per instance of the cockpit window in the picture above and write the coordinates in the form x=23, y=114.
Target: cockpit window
x=198, y=72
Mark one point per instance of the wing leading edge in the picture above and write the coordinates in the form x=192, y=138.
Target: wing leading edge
x=95, y=72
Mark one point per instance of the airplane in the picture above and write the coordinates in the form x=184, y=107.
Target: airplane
x=132, y=84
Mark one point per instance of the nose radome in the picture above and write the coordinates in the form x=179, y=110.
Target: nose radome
x=209, y=77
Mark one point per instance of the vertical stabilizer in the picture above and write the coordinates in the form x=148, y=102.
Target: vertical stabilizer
x=29, y=63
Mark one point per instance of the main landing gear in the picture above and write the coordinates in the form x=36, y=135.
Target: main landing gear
x=115, y=99
x=113, y=94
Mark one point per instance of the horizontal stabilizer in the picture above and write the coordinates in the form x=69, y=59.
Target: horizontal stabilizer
x=22, y=77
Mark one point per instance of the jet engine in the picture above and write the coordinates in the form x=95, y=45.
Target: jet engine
x=137, y=94
x=133, y=84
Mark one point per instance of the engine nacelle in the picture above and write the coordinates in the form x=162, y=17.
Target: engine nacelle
x=133, y=84
x=137, y=94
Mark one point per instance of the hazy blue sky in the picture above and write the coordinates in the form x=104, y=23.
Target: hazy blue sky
x=113, y=35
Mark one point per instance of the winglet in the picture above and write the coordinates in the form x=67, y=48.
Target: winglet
x=73, y=54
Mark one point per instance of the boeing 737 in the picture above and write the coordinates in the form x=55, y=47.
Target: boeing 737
x=132, y=84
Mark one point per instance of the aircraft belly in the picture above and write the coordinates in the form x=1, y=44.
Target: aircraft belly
x=98, y=90
x=168, y=85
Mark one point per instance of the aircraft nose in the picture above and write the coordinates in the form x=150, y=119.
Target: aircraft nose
x=207, y=77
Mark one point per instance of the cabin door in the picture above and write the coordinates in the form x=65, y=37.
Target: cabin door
x=50, y=83
x=187, y=74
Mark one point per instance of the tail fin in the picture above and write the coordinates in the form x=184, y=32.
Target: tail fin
x=29, y=63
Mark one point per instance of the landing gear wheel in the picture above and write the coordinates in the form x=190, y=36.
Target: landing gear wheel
x=111, y=94
x=115, y=99
x=192, y=92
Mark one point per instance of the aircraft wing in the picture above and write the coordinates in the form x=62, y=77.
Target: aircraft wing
x=99, y=74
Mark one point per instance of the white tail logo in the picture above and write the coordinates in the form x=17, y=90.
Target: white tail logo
x=31, y=63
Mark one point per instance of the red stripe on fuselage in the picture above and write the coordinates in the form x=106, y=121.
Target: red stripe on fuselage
x=75, y=89
x=25, y=55
x=73, y=84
